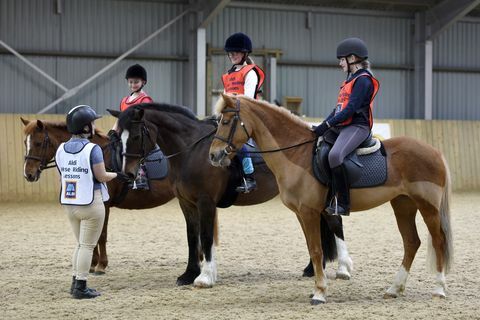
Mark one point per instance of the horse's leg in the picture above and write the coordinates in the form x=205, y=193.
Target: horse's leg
x=193, y=265
x=439, y=243
x=345, y=263
x=310, y=221
x=405, y=211
x=208, y=275
x=94, y=259
x=102, y=262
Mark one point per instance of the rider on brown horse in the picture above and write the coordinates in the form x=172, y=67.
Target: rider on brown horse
x=350, y=122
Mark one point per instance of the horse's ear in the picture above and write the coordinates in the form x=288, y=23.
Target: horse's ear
x=114, y=113
x=138, y=114
x=24, y=121
x=40, y=125
x=228, y=100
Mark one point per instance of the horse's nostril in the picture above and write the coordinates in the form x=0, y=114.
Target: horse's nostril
x=212, y=157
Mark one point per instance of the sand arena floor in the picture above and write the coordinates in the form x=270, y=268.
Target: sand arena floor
x=260, y=258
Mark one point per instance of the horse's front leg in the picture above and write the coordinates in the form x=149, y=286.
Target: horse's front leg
x=310, y=221
x=102, y=262
x=207, y=210
x=193, y=265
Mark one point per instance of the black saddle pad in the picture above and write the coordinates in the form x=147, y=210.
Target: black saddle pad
x=156, y=165
x=363, y=170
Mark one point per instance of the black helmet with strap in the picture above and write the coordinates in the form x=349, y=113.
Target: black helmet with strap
x=79, y=117
x=136, y=71
x=238, y=42
x=353, y=46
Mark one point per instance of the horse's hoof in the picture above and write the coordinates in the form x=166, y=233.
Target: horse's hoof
x=389, y=295
x=99, y=273
x=186, y=279
x=342, y=276
x=308, y=273
x=315, y=302
x=202, y=282
x=438, y=296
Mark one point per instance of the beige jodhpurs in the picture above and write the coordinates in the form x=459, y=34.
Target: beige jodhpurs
x=87, y=224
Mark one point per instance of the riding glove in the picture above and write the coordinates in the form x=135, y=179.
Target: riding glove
x=321, y=129
x=122, y=177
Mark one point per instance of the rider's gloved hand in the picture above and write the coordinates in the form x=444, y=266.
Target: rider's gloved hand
x=321, y=129
x=113, y=135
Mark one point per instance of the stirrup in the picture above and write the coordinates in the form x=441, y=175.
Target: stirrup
x=332, y=210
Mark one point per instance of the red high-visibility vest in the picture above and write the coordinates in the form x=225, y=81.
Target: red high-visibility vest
x=344, y=97
x=141, y=98
x=234, y=82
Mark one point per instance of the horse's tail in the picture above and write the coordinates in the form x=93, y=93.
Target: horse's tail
x=445, y=226
x=215, y=228
x=329, y=245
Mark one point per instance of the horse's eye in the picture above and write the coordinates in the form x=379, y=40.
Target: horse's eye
x=225, y=122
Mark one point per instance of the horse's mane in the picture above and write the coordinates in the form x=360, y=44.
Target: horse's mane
x=165, y=107
x=221, y=104
x=61, y=125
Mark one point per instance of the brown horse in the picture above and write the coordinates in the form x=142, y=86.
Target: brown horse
x=198, y=185
x=418, y=179
x=42, y=139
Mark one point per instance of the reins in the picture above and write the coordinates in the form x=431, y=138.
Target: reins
x=236, y=118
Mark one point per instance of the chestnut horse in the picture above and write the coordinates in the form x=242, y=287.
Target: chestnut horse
x=42, y=139
x=198, y=186
x=418, y=179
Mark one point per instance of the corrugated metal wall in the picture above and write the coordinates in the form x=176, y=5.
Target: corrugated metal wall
x=96, y=28
x=307, y=67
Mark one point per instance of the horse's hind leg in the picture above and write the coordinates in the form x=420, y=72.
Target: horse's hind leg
x=405, y=211
x=439, y=243
x=193, y=265
x=208, y=274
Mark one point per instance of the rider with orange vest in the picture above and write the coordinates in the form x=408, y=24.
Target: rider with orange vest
x=350, y=122
x=243, y=78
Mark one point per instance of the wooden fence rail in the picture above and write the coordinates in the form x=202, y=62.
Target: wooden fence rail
x=458, y=140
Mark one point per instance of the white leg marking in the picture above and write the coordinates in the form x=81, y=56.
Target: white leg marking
x=439, y=291
x=345, y=263
x=124, y=138
x=208, y=275
x=28, y=150
x=398, y=285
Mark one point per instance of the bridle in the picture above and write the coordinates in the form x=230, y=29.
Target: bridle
x=236, y=118
x=44, y=163
x=145, y=133
x=229, y=141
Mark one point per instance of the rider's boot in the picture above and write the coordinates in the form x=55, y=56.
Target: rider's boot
x=340, y=203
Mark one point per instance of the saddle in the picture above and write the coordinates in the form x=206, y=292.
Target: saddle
x=366, y=166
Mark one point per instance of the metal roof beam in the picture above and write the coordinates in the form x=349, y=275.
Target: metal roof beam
x=446, y=13
x=209, y=9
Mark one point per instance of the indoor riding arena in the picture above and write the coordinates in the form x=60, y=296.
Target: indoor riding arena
x=188, y=230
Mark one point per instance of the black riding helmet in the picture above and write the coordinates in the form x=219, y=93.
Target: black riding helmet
x=79, y=117
x=238, y=42
x=353, y=46
x=136, y=71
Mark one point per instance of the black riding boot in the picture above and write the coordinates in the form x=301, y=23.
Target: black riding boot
x=74, y=280
x=248, y=184
x=80, y=291
x=339, y=205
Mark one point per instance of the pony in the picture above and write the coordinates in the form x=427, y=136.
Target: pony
x=42, y=138
x=199, y=187
x=418, y=180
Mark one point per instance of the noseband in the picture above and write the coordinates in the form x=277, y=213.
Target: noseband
x=236, y=118
x=44, y=163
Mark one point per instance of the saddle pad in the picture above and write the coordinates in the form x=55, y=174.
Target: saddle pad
x=156, y=165
x=363, y=170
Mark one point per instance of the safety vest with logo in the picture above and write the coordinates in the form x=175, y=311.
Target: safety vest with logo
x=344, y=97
x=77, y=180
x=234, y=82
x=141, y=98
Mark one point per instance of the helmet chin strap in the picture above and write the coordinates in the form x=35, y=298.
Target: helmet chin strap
x=350, y=64
x=232, y=69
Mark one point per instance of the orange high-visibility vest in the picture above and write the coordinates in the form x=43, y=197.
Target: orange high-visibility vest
x=234, y=82
x=344, y=97
x=141, y=98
